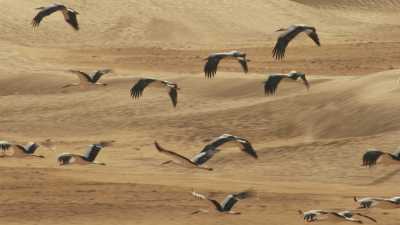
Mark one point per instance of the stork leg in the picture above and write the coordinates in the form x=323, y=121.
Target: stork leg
x=199, y=211
x=166, y=162
x=233, y=213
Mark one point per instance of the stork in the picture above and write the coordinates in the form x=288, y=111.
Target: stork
x=70, y=15
x=384, y=203
x=91, y=79
x=210, y=149
x=271, y=84
x=228, y=203
x=23, y=151
x=171, y=87
x=291, y=32
x=333, y=216
x=88, y=158
x=210, y=68
x=373, y=156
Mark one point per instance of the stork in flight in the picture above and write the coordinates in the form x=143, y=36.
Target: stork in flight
x=271, y=84
x=384, y=203
x=372, y=157
x=4, y=146
x=21, y=151
x=70, y=15
x=333, y=216
x=172, y=88
x=209, y=151
x=88, y=158
x=86, y=80
x=228, y=203
x=210, y=68
x=291, y=32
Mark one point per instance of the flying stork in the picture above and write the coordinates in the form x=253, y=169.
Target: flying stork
x=384, y=203
x=23, y=151
x=228, y=203
x=373, y=156
x=88, y=158
x=291, y=32
x=86, y=80
x=210, y=68
x=209, y=151
x=69, y=14
x=172, y=88
x=333, y=216
x=271, y=84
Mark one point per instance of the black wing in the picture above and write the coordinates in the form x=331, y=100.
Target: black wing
x=137, y=89
x=70, y=17
x=271, y=84
x=99, y=73
x=173, y=94
x=283, y=41
x=28, y=149
x=45, y=11
x=210, y=68
x=92, y=152
x=246, y=146
x=214, y=144
x=4, y=145
x=370, y=158
x=243, y=63
x=83, y=77
x=229, y=202
x=312, y=33
x=303, y=77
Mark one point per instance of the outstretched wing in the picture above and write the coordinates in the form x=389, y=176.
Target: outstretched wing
x=371, y=157
x=83, y=77
x=283, y=41
x=246, y=146
x=173, y=94
x=182, y=159
x=210, y=68
x=312, y=33
x=303, y=77
x=365, y=216
x=214, y=202
x=92, y=152
x=30, y=148
x=46, y=11
x=137, y=89
x=243, y=63
x=70, y=17
x=271, y=84
x=99, y=73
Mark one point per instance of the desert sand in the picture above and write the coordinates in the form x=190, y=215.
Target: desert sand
x=310, y=143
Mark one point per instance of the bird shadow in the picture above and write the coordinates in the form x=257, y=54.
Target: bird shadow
x=385, y=177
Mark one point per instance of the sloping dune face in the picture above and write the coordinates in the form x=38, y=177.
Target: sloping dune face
x=309, y=142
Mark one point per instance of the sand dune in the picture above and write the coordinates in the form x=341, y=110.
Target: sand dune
x=309, y=143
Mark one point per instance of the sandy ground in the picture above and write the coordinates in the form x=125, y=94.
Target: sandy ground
x=309, y=143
